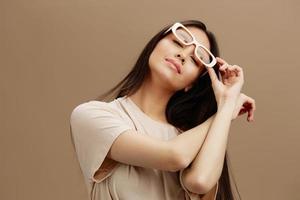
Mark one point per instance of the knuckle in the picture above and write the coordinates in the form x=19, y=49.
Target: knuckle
x=238, y=67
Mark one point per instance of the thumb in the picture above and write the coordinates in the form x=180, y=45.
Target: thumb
x=212, y=74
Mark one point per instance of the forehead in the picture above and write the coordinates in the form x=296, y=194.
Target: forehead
x=200, y=36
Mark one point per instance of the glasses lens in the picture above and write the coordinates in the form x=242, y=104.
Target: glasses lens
x=186, y=38
x=204, y=55
x=183, y=35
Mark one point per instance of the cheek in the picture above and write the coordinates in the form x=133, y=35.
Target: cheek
x=191, y=73
x=161, y=51
x=164, y=47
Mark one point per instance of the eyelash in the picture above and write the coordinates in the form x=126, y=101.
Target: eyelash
x=177, y=43
x=194, y=61
x=181, y=46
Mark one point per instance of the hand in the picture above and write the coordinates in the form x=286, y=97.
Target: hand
x=230, y=85
x=243, y=105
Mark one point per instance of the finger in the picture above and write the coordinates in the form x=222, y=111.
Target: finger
x=219, y=75
x=250, y=102
x=223, y=72
x=223, y=67
x=212, y=74
x=253, y=104
x=251, y=115
x=231, y=71
x=242, y=111
x=239, y=71
x=220, y=60
x=235, y=69
x=250, y=105
x=252, y=111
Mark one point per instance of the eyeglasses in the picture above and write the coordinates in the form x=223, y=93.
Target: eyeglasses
x=187, y=38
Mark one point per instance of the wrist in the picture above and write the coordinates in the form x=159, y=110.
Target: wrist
x=228, y=105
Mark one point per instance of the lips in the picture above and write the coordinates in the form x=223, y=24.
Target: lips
x=176, y=64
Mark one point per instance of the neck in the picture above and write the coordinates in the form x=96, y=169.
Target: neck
x=152, y=99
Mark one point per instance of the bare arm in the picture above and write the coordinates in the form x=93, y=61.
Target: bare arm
x=206, y=169
x=141, y=150
x=181, y=150
x=199, y=177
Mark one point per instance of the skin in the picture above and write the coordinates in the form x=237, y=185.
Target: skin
x=203, y=147
x=163, y=81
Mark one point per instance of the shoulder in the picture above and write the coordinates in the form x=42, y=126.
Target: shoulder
x=93, y=104
x=94, y=109
x=91, y=108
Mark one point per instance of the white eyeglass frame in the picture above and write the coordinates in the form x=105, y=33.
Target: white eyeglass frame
x=177, y=25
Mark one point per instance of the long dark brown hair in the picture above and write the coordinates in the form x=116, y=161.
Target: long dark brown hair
x=184, y=110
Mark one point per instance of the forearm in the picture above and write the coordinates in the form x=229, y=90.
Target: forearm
x=206, y=168
x=188, y=143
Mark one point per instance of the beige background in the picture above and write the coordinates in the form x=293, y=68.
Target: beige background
x=56, y=54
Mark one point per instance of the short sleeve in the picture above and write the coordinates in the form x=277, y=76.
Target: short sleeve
x=210, y=195
x=94, y=126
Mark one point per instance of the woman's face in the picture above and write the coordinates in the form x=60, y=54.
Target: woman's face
x=167, y=51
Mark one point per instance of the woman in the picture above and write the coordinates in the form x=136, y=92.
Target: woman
x=164, y=135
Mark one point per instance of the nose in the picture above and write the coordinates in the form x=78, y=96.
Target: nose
x=186, y=51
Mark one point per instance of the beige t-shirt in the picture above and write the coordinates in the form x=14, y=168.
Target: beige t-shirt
x=95, y=125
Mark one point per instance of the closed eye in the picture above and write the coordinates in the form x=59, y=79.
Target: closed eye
x=194, y=60
x=177, y=43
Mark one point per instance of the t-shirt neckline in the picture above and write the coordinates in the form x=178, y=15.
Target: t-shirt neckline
x=144, y=115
